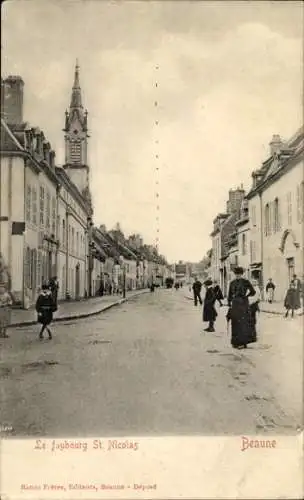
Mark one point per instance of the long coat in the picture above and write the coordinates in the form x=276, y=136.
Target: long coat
x=45, y=306
x=291, y=300
x=209, y=311
x=239, y=313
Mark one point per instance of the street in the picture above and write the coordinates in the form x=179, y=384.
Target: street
x=148, y=368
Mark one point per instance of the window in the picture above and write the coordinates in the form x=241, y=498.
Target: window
x=253, y=215
x=63, y=233
x=276, y=210
x=34, y=206
x=289, y=209
x=48, y=211
x=73, y=240
x=69, y=237
x=53, y=215
x=75, y=152
x=39, y=268
x=300, y=202
x=28, y=203
x=41, y=205
x=267, y=220
x=244, y=244
x=77, y=243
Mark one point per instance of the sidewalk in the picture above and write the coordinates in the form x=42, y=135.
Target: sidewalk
x=74, y=309
x=274, y=308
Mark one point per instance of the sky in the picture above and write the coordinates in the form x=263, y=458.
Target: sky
x=195, y=89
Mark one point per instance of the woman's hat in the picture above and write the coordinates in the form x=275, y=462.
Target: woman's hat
x=238, y=271
x=208, y=282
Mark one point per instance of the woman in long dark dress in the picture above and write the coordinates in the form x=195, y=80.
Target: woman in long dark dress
x=209, y=311
x=239, y=314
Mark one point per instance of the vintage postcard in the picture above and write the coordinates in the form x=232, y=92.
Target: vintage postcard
x=151, y=250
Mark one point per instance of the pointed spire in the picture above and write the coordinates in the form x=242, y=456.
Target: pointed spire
x=76, y=91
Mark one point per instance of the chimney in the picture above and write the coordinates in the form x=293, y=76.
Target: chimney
x=276, y=144
x=52, y=158
x=12, y=100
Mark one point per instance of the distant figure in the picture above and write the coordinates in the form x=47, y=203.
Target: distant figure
x=298, y=286
x=45, y=307
x=291, y=300
x=197, y=287
x=238, y=313
x=101, y=289
x=254, y=301
x=270, y=288
x=152, y=287
x=218, y=293
x=176, y=286
x=5, y=310
x=209, y=312
x=54, y=286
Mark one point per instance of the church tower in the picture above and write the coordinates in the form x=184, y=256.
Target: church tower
x=76, y=140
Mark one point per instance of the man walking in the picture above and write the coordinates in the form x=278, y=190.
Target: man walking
x=197, y=287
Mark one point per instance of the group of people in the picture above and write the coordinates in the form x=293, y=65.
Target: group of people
x=243, y=305
x=292, y=300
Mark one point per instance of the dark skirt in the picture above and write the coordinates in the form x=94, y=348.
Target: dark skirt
x=241, y=328
x=253, y=309
x=45, y=317
x=209, y=312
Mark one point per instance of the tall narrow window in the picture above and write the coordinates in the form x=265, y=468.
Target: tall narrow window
x=41, y=218
x=34, y=206
x=53, y=215
x=277, y=224
x=244, y=245
x=289, y=209
x=267, y=220
x=73, y=241
x=48, y=211
x=28, y=203
x=63, y=233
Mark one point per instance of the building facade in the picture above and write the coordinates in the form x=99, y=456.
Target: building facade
x=276, y=204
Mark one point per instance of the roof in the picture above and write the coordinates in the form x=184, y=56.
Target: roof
x=278, y=163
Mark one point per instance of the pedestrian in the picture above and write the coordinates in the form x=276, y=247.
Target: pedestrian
x=152, y=287
x=239, y=290
x=54, y=286
x=176, y=286
x=291, y=300
x=209, y=312
x=5, y=310
x=218, y=292
x=45, y=307
x=197, y=287
x=270, y=288
x=298, y=286
x=254, y=301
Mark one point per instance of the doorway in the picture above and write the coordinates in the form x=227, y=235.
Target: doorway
x=77, y=282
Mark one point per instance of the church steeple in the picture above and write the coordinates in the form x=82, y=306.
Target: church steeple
x=76, y=90
x=76, y=139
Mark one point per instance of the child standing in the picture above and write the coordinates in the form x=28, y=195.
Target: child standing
x=45, y=307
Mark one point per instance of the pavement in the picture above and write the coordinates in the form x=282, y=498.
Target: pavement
x=70, y=310
x=148, y=368
x=274, y=308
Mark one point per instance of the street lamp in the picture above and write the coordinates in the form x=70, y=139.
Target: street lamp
x=123, y=267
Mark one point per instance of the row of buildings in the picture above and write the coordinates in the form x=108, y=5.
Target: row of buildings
x=46, y=212
x=262, y=230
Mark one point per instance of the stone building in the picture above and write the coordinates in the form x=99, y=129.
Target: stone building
x=45, y=217
x=276, y=217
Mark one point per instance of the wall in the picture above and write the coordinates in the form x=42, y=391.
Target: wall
x=289, y=234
